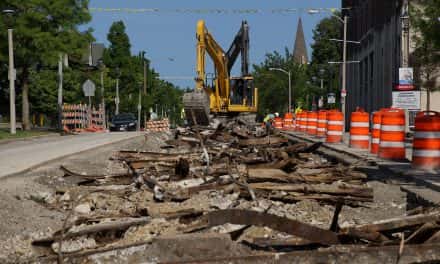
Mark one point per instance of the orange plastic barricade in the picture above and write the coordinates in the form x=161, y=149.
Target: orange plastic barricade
x=335, y=126
x=303, y=122
x=278, y=123
x=426, y=144
x=322, y=124
x=312, y=123
x=392, y=134
x=360, y=130
x=288, y=121
x=375, y=133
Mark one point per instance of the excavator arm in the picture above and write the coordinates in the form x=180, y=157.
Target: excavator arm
x=207, y=44
x=240, y=45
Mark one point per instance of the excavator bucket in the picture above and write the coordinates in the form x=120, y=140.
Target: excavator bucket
x=196, y=105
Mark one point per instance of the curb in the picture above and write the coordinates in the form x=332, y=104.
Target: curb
x=5, y=177
x=11, y=140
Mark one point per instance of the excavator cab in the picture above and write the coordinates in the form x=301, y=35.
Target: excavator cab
x=242, y=91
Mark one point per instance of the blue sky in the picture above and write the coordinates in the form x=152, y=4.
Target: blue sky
x=168, y=37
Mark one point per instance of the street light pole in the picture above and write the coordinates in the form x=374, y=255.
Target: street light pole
x=117, y=93
x=344, y=71
x=290, y=85
x=290, y=93
x=60, y=92
x=11, y=83
x=139, y=107
x=104, y=118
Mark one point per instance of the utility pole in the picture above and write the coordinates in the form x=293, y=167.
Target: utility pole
x=145, y=78
x=145, y=88
x=117, y=94
x=11, y=83
x=60, y=92
x=290, y=92
x=103, y=98
x=344, y=71
x=138, y=127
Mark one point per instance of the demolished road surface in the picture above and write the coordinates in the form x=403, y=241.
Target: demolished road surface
x=213, y=195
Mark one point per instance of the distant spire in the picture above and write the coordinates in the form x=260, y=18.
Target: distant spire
x=300, y=49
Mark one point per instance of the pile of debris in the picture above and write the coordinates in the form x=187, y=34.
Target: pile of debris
x=224, y=180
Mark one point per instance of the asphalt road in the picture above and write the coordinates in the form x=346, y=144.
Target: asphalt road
x=19, y=156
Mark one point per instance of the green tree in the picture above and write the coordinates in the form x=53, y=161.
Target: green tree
x=118, y=53
x=42, y=30
x=325, y=50
x=273, y=92
x=425, y=17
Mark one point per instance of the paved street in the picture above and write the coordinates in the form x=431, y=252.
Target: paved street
x=19, y=156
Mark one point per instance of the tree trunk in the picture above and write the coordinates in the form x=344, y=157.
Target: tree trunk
x=428, y=91
x=25, y=100
x=428, y=99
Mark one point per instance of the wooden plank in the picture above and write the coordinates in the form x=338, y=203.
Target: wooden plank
x=332, y=189
x=262, y=142
x=258, y=175
x=423, y=233
x=119, y=224
x=396, y=224
x=282, y=224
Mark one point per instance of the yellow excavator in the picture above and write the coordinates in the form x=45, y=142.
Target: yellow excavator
x=226, y=96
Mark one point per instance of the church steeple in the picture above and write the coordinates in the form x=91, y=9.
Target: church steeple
x=300, y=49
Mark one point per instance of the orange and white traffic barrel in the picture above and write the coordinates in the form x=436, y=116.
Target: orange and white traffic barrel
x=312, y=122
x=278, y=123
x=294, y=122
x=303, y=122
x=298, y=118
x=335, y=126
x=322, y=124
x=426, y=143
x=392, y=134
x=375, y=133
x=360, y=130
x=288, y=121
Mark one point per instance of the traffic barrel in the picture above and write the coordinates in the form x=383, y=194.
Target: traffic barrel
x=312, y=123
x=295, y=122
x=360, y=130
x=375, y=133
x=288, y=121
x=322, y=124
x=426, y=143
x=392, y=134
x=335, y=126
x=278, y=123
x=303, y=122
x=298, y=118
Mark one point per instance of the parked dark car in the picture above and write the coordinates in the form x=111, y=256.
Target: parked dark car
x=123, y=122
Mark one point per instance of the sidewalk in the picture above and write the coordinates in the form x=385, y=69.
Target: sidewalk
x=20, y=156
x=426, y=179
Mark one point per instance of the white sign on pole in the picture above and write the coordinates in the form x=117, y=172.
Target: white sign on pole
x=331, y=98
x=407, y=100
x=406, y=76
x=89, y=88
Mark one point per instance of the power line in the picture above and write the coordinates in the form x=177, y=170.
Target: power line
x=210, y=10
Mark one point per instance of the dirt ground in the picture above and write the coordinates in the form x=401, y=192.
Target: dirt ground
x=23, y=217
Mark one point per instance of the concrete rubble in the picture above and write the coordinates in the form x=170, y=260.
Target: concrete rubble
x=252, y=194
